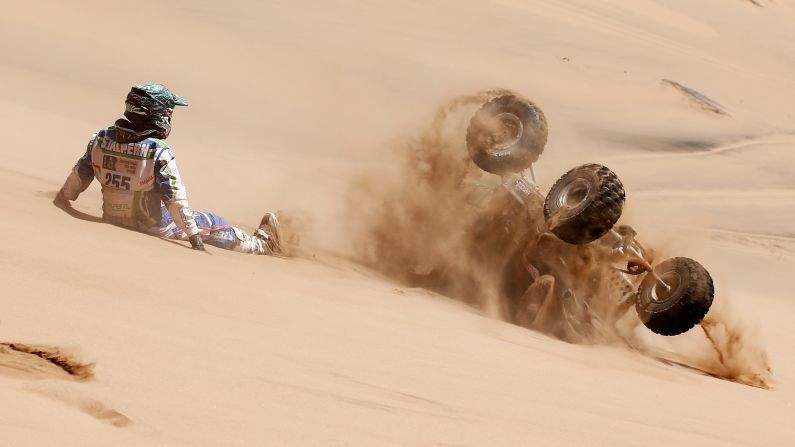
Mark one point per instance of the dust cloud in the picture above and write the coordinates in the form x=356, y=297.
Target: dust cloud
x=414, y=221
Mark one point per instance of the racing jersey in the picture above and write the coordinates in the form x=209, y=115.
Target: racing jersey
x=136, y=177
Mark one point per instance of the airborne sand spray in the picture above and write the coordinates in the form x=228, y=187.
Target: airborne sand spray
x=740, y=356
x=414, y=219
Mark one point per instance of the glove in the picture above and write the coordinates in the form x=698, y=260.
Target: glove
x=196, y=242
x=60, y=201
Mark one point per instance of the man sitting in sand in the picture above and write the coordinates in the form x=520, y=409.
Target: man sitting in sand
x=141, y=185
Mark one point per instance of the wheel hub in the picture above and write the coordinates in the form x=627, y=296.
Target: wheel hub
x=507, y=130
x=660, y=292
x=573, y=194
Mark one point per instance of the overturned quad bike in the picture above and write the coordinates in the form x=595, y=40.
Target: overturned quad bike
x=561, y=264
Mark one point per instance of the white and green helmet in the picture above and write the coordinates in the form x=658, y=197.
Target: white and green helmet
x=151, y=105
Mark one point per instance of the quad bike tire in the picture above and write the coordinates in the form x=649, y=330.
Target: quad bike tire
x=675, y=311
x=506, y=135
x=584, y=204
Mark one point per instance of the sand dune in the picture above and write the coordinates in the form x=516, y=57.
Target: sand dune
x=291, y=102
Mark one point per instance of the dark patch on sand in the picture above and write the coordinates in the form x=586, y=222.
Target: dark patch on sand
x=697, y=98
x=654, y=143
x=47, y=362
x=39, y=360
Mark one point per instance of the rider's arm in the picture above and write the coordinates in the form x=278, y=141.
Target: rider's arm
x=80, y=177
x=173, y=194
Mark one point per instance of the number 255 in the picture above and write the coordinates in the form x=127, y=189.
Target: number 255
x=117, y=180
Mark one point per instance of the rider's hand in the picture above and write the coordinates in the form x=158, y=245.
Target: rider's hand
x=196, y=242
x=60, y=200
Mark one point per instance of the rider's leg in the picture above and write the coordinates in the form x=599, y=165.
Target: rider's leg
x=215, y=231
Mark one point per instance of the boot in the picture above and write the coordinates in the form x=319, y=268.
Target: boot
x=268, y=233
